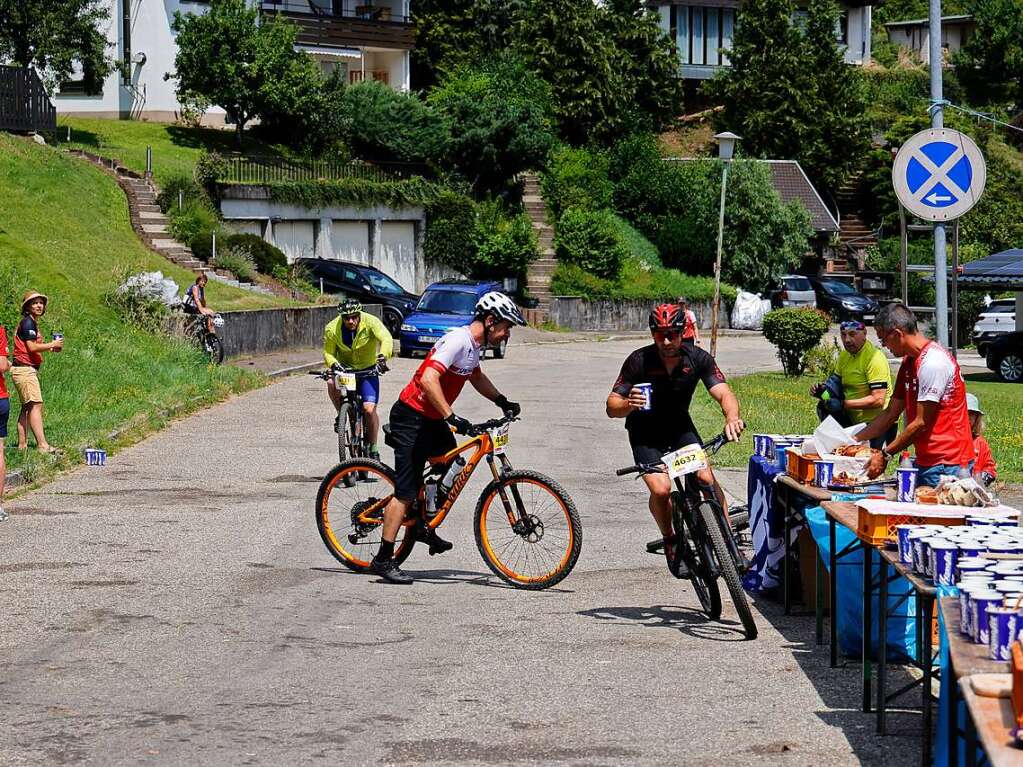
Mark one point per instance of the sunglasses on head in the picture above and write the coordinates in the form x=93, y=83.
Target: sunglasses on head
x=852, y=325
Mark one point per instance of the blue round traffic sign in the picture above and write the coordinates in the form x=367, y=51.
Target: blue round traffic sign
x=939, y=174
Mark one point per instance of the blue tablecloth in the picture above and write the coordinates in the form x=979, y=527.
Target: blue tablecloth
x=767, y=526
x=901, y=620
x=945, y=696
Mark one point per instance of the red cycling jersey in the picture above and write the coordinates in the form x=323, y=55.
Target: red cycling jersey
x=456, y=357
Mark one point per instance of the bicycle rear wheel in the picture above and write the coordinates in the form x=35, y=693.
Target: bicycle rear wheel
x=543, y=545
x=351, y=537
x=688, y=551
x=712, y=515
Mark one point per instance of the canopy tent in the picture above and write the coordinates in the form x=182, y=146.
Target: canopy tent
x=999, y=271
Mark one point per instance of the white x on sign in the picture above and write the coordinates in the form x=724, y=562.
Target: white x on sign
x=939, y=174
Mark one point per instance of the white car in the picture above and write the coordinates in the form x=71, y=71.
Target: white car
x=793, y=290
x=997, y=318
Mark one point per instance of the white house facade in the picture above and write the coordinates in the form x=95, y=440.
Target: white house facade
x=364, y=40
x=703, y=31
x=914, y=35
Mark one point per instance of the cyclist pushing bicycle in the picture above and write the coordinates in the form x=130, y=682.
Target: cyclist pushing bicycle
x=358, y=340
x=423, y=418
x=653, y=394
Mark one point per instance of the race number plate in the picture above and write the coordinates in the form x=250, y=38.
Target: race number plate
x=500, y=439
x=689, y=459
x=345, y=380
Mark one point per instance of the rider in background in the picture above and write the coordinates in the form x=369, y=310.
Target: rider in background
x=691, y=334
x=195, y=300
x=358, y=340
x=422, y=419
x=673, y=368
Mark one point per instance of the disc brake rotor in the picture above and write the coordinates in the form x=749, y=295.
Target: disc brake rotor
x=530, y=529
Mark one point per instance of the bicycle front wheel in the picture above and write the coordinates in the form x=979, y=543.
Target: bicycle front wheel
x=350, y=514
x=543, y=544
x=711, y=514
x=688, y=550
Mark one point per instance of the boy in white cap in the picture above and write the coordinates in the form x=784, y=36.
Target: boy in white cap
x=985, y=470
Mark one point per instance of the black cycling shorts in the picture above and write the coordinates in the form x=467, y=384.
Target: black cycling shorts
x=415, y=438
x=648, y=449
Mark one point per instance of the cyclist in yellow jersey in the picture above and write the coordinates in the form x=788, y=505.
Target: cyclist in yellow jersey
x=358, y=340
x=865, y=375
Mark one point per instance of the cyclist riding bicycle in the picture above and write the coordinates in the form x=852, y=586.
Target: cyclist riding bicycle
x=358, y=340
x=669, y=370
x=422, y=419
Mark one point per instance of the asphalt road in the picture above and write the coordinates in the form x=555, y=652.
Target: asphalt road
x=177, y=607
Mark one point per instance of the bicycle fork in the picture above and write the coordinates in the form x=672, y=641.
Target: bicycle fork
x=514, y=508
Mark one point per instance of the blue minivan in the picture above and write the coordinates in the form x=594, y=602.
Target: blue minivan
x=444, y=305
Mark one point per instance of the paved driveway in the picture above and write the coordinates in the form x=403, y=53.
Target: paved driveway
x=177, y=607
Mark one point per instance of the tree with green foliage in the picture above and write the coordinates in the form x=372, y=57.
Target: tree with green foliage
x=612, y=72
x=246, y=66
x=389, y=126
x=992, y=58
x=676, y=204
x=501, y=118
x=788, y=92
x=54, y=36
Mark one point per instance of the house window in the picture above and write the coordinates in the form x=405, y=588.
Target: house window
x=702, y=35
x=328, y=68
x=842, y=28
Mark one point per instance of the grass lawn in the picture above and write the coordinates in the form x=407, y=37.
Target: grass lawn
x=175, y=147
x=64, y=231
x=774, y=404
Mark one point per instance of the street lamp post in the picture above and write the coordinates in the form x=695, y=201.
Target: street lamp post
x=726, y=147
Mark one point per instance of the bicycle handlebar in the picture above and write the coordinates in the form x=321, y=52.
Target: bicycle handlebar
x=711, y=446
x=326, y=375
x=493, y=423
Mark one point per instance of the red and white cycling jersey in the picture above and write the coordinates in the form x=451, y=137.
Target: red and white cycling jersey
x=456, y=356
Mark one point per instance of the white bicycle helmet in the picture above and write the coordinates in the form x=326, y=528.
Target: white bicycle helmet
x=500, y=306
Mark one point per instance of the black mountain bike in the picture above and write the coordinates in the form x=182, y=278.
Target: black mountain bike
x=350, y=427
x=208, y=343
x=705, y=549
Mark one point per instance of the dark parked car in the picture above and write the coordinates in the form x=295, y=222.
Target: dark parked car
x=842, y=301
x=444, y=305
x=1005, y=356
x=369, y=285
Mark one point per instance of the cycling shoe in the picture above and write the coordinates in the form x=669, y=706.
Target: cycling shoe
x=436, y=544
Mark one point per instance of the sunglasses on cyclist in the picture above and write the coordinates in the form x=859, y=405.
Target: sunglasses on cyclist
x=852, y=325
x=670, y=335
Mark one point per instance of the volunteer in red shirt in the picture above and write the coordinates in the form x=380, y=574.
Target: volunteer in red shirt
x=5, y=411
x=423, y=417
x=29, y=346
x=931, y=391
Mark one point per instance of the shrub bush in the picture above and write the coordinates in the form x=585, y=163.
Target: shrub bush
x=208, y=168
x=388, y=125
x=134, y=306
x=795, y=332
x=591, y=240
x=450, y=237
x=194, y=225
x=576, y=178
x=167, y=199
x=266, y=257
x=505, y=242
x=237, y=260
x=821, y=359
x=637, y=283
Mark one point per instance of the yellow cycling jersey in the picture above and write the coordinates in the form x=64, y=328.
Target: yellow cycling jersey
x=371, y=338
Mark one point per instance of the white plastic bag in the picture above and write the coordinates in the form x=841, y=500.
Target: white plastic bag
x=748, y=311
x=152, y=285
x=831, y=435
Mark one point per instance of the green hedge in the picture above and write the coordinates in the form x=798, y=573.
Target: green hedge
x=576, y=178
x=357, y=192
x=795, y=332
x=266, y=257
x=638, y=282
x=591, y=240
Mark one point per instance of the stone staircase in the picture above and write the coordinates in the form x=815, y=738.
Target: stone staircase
x=538, y=276
x=854, y=235
x=151, y=225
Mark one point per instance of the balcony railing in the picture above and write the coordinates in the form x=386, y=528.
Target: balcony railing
x=334, y=25
x=333, y=10
x=255, y=169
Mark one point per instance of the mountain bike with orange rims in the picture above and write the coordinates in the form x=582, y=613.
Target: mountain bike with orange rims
x=527, y=528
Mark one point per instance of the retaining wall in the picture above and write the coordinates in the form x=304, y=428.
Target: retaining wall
x=263, y=331
x=579, y=314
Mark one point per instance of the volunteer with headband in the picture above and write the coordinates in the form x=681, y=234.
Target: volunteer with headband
x=861, y=385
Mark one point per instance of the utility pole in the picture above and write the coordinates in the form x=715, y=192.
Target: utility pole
x=937, y=122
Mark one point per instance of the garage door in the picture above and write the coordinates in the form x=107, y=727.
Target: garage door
x=246, y=227
x=350, y=240
x=398, y=252
x=296, y=238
